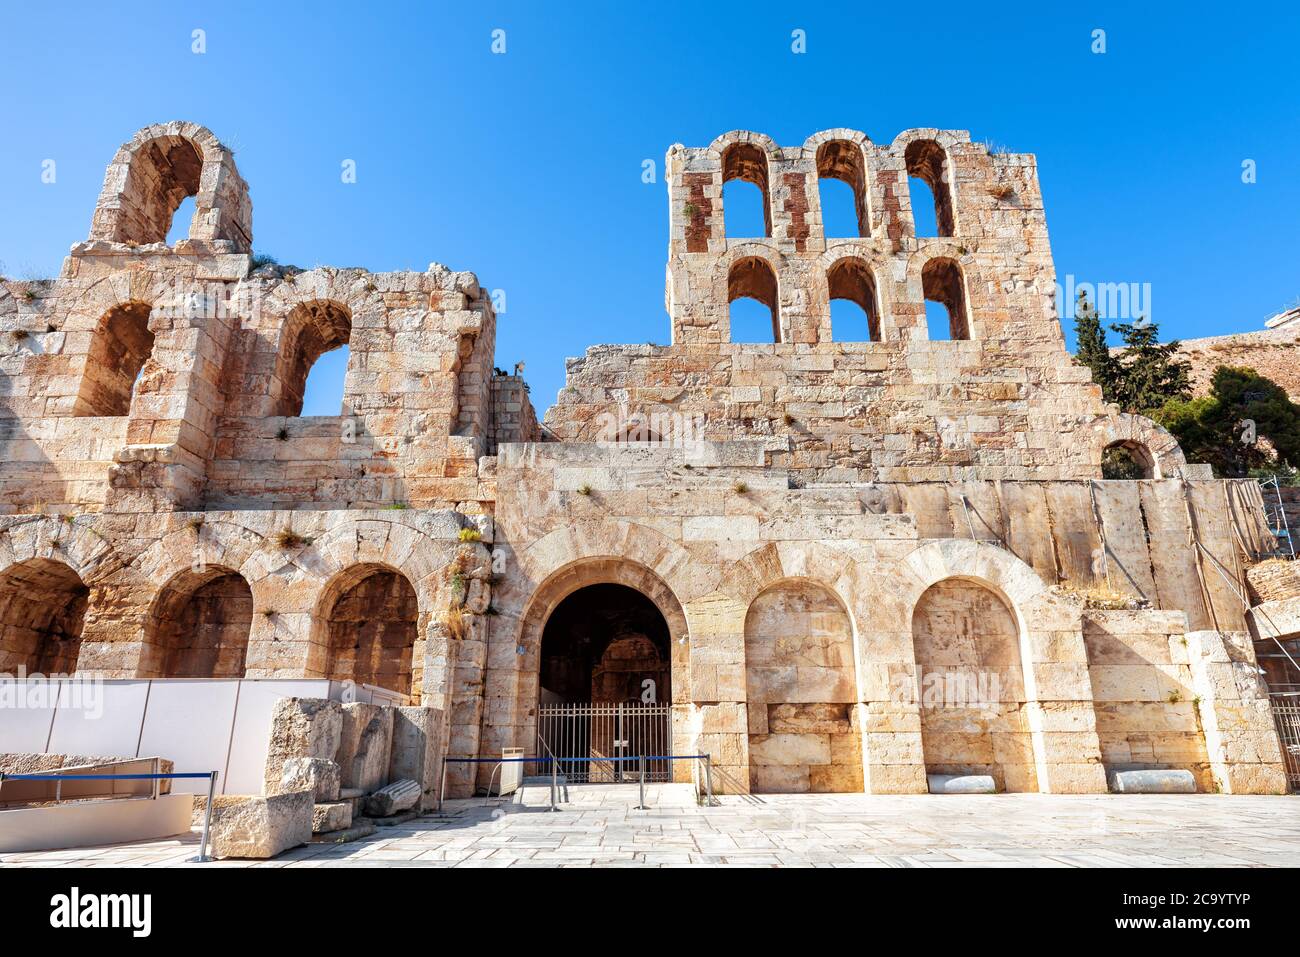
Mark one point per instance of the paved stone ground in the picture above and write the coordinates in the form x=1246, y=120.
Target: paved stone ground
x=843, y=830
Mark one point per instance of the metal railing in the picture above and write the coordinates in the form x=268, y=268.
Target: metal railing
x=642, y=761
x=591, y=738
x=155, y=778
x=1286, y=716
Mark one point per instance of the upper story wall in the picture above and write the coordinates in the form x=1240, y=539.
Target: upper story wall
x=150, y=377
x=998, y=398
x=990, y=262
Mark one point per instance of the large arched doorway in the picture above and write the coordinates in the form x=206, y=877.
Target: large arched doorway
x=42, y=607
x=604, y=685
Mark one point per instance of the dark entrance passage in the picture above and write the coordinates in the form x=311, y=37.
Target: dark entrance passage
x=604, y=686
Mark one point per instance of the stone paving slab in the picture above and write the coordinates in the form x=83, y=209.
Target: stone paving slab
x=841, y=830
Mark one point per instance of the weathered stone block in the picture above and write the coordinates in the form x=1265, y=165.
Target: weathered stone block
x=260, y=827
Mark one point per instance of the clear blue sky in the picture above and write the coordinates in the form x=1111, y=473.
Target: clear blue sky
x=526, y=167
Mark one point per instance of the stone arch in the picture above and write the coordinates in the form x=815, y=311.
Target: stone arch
x=970, y=686
x=1051, y=649
x=158, y=168
x=310, y=330
x=198, y=625
x=748, y=157
x=926, y=154
x=120, y=346
x=366, y=629
x=944, y=282
x=801, y=690
x=42, y=613
x=755, y=277
x=845, y=159
x=851, y=277
x=1157, y=450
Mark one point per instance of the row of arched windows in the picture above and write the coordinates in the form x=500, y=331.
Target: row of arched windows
x=309, y=367
x=842, y=185
x=754, y=301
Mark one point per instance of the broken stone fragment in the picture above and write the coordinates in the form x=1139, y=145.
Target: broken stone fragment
x=331, y=817
x=398, y=796
x=259, y=827
x=319, y=776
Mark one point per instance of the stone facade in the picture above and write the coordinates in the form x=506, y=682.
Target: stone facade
x=836, y=537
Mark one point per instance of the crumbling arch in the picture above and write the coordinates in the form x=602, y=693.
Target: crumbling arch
x=748, y=163
x=970, y=685
x=1138, y=447
x=1127, y=459
x=801, y=691
x=155, y=171
x=852, y=279
x=198, y=625
x=366, y=622
x=942, y=282
x=120, y=345
x=42, y=610
x=311, y=329
x=752, y=277
x=843, y=160
x=926, y=161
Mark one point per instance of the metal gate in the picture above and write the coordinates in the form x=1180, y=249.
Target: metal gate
x=1286, y=715
x=585, y=737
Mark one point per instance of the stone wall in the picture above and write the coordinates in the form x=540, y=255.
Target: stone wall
x=816, y=527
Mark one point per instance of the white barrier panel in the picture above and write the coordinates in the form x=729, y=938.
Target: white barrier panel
x=200, y=724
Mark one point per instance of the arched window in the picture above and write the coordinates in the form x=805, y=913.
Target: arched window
x=852, y=284
x=752, y=278
x=182, y=220
x=1127, y=460
x=119, y=348
x=162, y=174
x=303, y=384
x=198, y=626
x=927, y=169
x=745, y=163
x=842, y=185
x=944, y=287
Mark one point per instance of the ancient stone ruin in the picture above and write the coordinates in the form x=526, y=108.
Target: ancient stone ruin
x=828, y=565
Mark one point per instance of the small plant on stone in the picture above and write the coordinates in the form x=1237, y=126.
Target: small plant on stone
x=788, y=419
x=455, y=621
x=371, y=287
x=398, y=507
x=689, y=210
x=1002, y=191
x=1175, y=696
x=195, y=523
x=283, y=434
x=740, y=488
x=470, y=535
x=287, y=538
x=258, y=260
x=267, y=612
x=584, y=489
x=18, y=335
x=27, y=295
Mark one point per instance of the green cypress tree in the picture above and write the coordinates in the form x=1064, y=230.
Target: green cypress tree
x=1148, y=373
x=1092, y=350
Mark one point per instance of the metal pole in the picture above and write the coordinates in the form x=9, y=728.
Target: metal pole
x=708, y=778
x=442, y=791
x=553, y=772
x=207, y=817
x=641, y=806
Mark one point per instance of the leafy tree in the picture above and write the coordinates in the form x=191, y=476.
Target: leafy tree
x=1246, y=424
x=1141, y=377
x=1149, y=373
